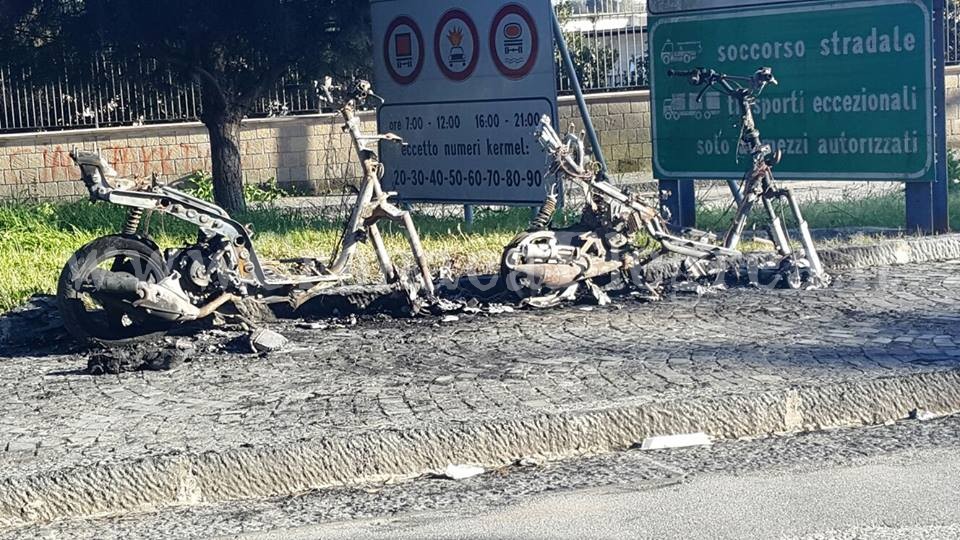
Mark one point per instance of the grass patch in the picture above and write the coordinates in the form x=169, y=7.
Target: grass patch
x=888, y=211
x=37, y=239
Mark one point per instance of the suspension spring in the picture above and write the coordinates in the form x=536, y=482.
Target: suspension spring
x=545, y=216
x=133, y=221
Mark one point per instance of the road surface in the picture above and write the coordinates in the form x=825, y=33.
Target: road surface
x=888, y=482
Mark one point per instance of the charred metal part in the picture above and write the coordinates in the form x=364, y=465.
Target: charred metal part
x=545, y=214
x=117, y=283
x=134, y=215
x=542, y=262
x=391, y=299
x=222, y=265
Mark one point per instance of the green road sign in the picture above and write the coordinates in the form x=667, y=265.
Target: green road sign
x=855, y=100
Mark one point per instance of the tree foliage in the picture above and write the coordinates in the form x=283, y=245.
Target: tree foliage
x=237, y=50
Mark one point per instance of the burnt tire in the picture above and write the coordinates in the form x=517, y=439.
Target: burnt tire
x=111, y=325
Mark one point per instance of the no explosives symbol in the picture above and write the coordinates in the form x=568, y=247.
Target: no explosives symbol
x=456, y=44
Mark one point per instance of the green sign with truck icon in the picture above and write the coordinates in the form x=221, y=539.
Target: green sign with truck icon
x=855, y=99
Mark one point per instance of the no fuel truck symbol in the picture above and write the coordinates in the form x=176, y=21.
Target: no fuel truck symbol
x=514, y=42
x=513, y=45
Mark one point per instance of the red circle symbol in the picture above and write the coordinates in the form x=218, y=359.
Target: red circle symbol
x=403, y=50
x=456, y=58
x=513, y=31
x=515, y=53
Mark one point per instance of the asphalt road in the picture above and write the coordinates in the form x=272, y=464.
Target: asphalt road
x=912, y=495
x=888, y=482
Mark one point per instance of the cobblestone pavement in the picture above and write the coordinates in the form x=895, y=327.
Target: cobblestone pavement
x=401, y=374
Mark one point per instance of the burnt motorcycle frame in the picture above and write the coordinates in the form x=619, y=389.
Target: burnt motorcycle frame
x=546, y=265
x=223, y=265
x=758, y=183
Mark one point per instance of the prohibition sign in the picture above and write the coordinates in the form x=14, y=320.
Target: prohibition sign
x=403, y=50
x=514, y=42
x=456, y=45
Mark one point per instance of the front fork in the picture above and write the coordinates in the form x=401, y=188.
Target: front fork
x=759, y=185
x=371, y=207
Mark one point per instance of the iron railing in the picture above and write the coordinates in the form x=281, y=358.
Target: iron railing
x=129, y=93
x=952, y=20
x=609, y=51
x=607, y=39
x=593, y=7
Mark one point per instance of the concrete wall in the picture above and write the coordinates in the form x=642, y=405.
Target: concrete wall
x=308, y=152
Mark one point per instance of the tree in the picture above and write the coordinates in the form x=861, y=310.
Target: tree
x=236, y=50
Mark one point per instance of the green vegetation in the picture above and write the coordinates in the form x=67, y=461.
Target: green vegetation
x=200, y=185
x=37, y=239
x=887, y=210
x=953, y=170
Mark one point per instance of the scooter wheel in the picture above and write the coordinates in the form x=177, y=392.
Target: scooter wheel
x=101, y=317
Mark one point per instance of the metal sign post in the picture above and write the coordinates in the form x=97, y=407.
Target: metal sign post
x=860, y=94
x=578, y=93
x=466, y=83
x=927, y=204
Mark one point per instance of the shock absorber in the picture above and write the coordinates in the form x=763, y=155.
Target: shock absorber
x=547, y=210
x=134, y=215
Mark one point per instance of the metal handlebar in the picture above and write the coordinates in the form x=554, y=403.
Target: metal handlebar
x=361, y=92
x=730, y=84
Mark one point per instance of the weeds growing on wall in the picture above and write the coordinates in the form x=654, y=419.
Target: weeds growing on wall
x=953, y=170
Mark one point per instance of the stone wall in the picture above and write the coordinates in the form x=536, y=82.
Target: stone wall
x=306, y=152
x=952, y=86
x=622, y=121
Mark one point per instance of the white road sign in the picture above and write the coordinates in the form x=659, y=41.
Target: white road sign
x=466, y=83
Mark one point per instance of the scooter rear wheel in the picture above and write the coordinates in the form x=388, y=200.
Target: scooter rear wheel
x=101, y=317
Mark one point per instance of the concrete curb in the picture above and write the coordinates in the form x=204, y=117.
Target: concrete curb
x=244, y=473
x=912, y=250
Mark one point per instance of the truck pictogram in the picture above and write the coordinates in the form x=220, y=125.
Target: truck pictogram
x=685, y=105
x=682, y=52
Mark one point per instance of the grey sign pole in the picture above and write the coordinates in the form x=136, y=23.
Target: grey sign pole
x=578, y=92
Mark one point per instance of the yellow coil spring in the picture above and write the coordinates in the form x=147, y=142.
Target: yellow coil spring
x=133, y=221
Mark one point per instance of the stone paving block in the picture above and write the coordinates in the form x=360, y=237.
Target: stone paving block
x=22, y=446
x=408, y=374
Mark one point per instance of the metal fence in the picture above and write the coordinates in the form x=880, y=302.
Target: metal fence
x=607, y=39
x=609, y=51
x=952, y=20
x=127, y=93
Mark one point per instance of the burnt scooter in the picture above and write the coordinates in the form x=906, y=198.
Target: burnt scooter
x=124, y=287
x=544, y=265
